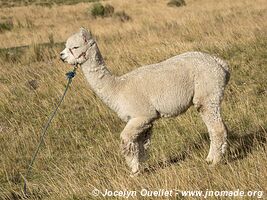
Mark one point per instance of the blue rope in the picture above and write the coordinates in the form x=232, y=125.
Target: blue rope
x=70, y=75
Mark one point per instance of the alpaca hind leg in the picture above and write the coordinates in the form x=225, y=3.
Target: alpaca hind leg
x=132, y=143
x=217, y=132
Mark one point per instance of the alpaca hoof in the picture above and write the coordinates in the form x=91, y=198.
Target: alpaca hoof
x=209, y=161
x=212, y=161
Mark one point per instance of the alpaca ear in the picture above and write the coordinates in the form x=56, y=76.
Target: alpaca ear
x=85, y=34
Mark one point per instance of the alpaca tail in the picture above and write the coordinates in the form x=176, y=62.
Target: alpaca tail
x=224, y=66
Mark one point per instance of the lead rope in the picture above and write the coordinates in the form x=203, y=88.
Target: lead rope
x=70, y=75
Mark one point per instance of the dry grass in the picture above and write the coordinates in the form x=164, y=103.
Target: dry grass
x=81, y=149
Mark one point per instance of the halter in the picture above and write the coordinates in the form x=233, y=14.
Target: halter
x=83, y=53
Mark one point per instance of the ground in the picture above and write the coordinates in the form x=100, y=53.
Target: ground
x=81, y=150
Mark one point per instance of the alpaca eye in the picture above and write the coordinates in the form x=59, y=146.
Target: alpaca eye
x=75, y=47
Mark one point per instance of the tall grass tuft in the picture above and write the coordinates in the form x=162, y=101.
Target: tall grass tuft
x=98, y=10
x=176, y=3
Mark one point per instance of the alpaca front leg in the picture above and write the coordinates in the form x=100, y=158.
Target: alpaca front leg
x=131, y=146
x=130, y=151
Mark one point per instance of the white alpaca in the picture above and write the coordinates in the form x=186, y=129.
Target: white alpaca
x=164, y=89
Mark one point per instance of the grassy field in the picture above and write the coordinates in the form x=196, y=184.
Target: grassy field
x=81, y=150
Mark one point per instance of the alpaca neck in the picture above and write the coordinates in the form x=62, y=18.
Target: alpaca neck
x=99, y=77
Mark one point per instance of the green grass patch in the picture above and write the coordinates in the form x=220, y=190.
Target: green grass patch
x=47, y=3
x=6, y=24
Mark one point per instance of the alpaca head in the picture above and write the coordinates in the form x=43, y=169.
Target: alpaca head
x=78, y=47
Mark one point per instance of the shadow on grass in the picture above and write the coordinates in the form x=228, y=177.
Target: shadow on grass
x=240, y=146
x=33, y=195
x=178, y=158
